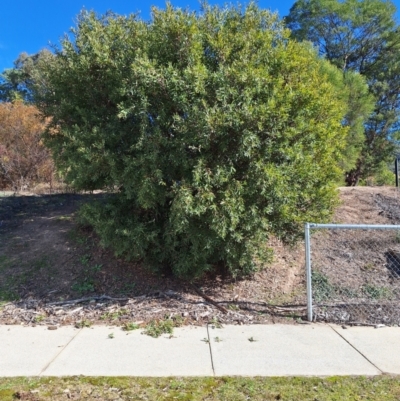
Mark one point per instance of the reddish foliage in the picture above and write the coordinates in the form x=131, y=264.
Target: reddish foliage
x=24, y=161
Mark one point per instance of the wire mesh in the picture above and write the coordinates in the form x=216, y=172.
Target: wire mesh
x=355, y=275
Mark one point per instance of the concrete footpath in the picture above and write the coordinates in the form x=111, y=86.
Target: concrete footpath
x=256, y=350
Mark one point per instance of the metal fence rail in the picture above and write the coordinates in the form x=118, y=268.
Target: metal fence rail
x=353, y=273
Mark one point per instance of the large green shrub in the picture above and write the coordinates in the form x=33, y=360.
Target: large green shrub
x=216, y=130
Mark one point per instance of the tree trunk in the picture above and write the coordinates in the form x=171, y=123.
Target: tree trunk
x=353, y=176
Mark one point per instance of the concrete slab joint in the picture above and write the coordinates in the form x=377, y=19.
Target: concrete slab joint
x=252, y=350
x=379, y=346
x=95, y=353
x=286, y=350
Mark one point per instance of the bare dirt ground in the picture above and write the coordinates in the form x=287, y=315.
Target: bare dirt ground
x=54, y=273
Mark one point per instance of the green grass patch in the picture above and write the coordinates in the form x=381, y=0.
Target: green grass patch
x=207, y=388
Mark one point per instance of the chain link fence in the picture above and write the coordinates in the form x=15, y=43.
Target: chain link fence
x=353, y=273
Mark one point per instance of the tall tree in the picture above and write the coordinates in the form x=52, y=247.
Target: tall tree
x=353, y=90
x=16, y=82
x=361, y=36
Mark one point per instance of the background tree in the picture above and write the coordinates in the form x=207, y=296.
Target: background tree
x=216, y=130
x=15, y=83
x=353, y=90
x=24, y=160
x=359, y=36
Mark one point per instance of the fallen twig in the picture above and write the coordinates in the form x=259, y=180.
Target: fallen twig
x=208, y=299
x=80, y=300
x=238, y=314
x=287, y=308
x=377, y=326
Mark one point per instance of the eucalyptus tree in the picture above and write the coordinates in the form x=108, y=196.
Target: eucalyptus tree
x=364, y=37
x=16, y=83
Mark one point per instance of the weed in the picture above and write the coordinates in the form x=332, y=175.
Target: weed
x=130, y=326
x=206, y=340
x=85, y=259
x=82, y=324
x=39, y=318
x=86, y=282
x=252, y=340
x=178, y=320
x=347, y=292
x=217, y=339
x=322, y=288
x=96, y=268
x=113, y=315
x=368, y=266
x=376, y=292
x=87, y=285
x=111, y=335
x=215, y=323
x=156, y=328
x=233, y=307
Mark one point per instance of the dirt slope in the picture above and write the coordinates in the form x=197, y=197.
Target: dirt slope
x=45, y=259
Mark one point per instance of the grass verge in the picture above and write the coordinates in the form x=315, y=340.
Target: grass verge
x=207, y=388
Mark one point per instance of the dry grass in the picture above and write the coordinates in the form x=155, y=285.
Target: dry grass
x=208, y=388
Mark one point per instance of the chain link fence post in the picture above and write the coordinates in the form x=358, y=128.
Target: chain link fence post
x=308, y=271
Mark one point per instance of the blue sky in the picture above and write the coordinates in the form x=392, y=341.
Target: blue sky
x=30, y=25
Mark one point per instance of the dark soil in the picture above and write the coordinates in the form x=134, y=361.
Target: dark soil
x=48, y=264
